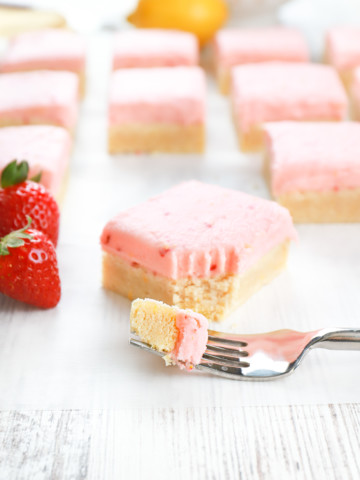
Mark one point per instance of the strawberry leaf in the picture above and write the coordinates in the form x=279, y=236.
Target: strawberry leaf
x=15, y=239
x=14, y=173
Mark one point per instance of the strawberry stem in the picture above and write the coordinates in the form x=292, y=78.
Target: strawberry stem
x=36, y=178
x=15, y=239
x=14, y=173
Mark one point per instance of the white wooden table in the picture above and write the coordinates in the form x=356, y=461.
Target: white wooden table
x=76, y=401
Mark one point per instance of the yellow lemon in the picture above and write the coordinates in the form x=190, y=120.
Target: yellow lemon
x=201, y=17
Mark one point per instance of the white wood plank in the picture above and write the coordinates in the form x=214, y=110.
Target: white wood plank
x=44, y=445
x=260, y=443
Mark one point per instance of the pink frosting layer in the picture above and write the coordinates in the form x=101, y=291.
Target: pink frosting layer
x=191, y=342
x=343, y=47
x=158, y=95
x=313, y=156
x=40, y=96
x=198, y=230
x=52, y=49
x=154, y=48
x=235, y=47
x=278, y=91
x=46, y=148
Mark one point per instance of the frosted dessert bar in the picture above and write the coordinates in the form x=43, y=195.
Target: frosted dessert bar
x=181, y=334
x=241, y=46
x=267, y=92
x=46, y=149
x=196, y=246
x=40, y=97
x=313, y=169
x=49, y=49
x=157, y=110
x=342, y=51
x=147, y=47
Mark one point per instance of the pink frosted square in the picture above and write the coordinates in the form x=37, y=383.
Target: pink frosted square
x=173, y=95
x=313, y=157
x=154, y=48
x=277, y=91
x=198, y=230
x=46, y=148
x=52, y=49
x=39, y=97
x=240, y=46
x=343, y=48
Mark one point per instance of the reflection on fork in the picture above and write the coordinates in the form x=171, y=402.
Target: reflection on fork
x=265, y=356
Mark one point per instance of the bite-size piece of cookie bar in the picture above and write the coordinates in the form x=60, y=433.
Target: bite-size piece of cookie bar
x=180, y=334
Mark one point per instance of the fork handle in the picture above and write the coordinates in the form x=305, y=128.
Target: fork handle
x=339, y=339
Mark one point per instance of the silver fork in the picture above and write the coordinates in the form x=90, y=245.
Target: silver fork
x=264, y=356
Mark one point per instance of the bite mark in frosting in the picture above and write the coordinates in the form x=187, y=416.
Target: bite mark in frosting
x=169, y=234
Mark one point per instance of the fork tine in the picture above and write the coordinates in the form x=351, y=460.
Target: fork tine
x=219, y=338
x=228, y=352
x=222, y=370
x=223, y=361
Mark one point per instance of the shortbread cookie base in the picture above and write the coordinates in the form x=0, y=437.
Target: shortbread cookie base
x=155, y=324
x=342, y=206
x=223, y=77
x=214, y=297
x=253, y=141
x=156, y=138
x=355, y=109
x=61, y=193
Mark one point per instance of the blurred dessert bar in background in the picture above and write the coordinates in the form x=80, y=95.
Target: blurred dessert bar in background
x=14, y=20
x=196, y=246
x=142, y=48
x=46, y=149
x=342, y=50
x=39, y=97
x=241, y=46
x=157, y=110
x=278, y=91
x=313, y=169
x=51, y=49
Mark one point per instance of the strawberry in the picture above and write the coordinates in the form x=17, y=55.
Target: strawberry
x=20, y=198
x=28, y=268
